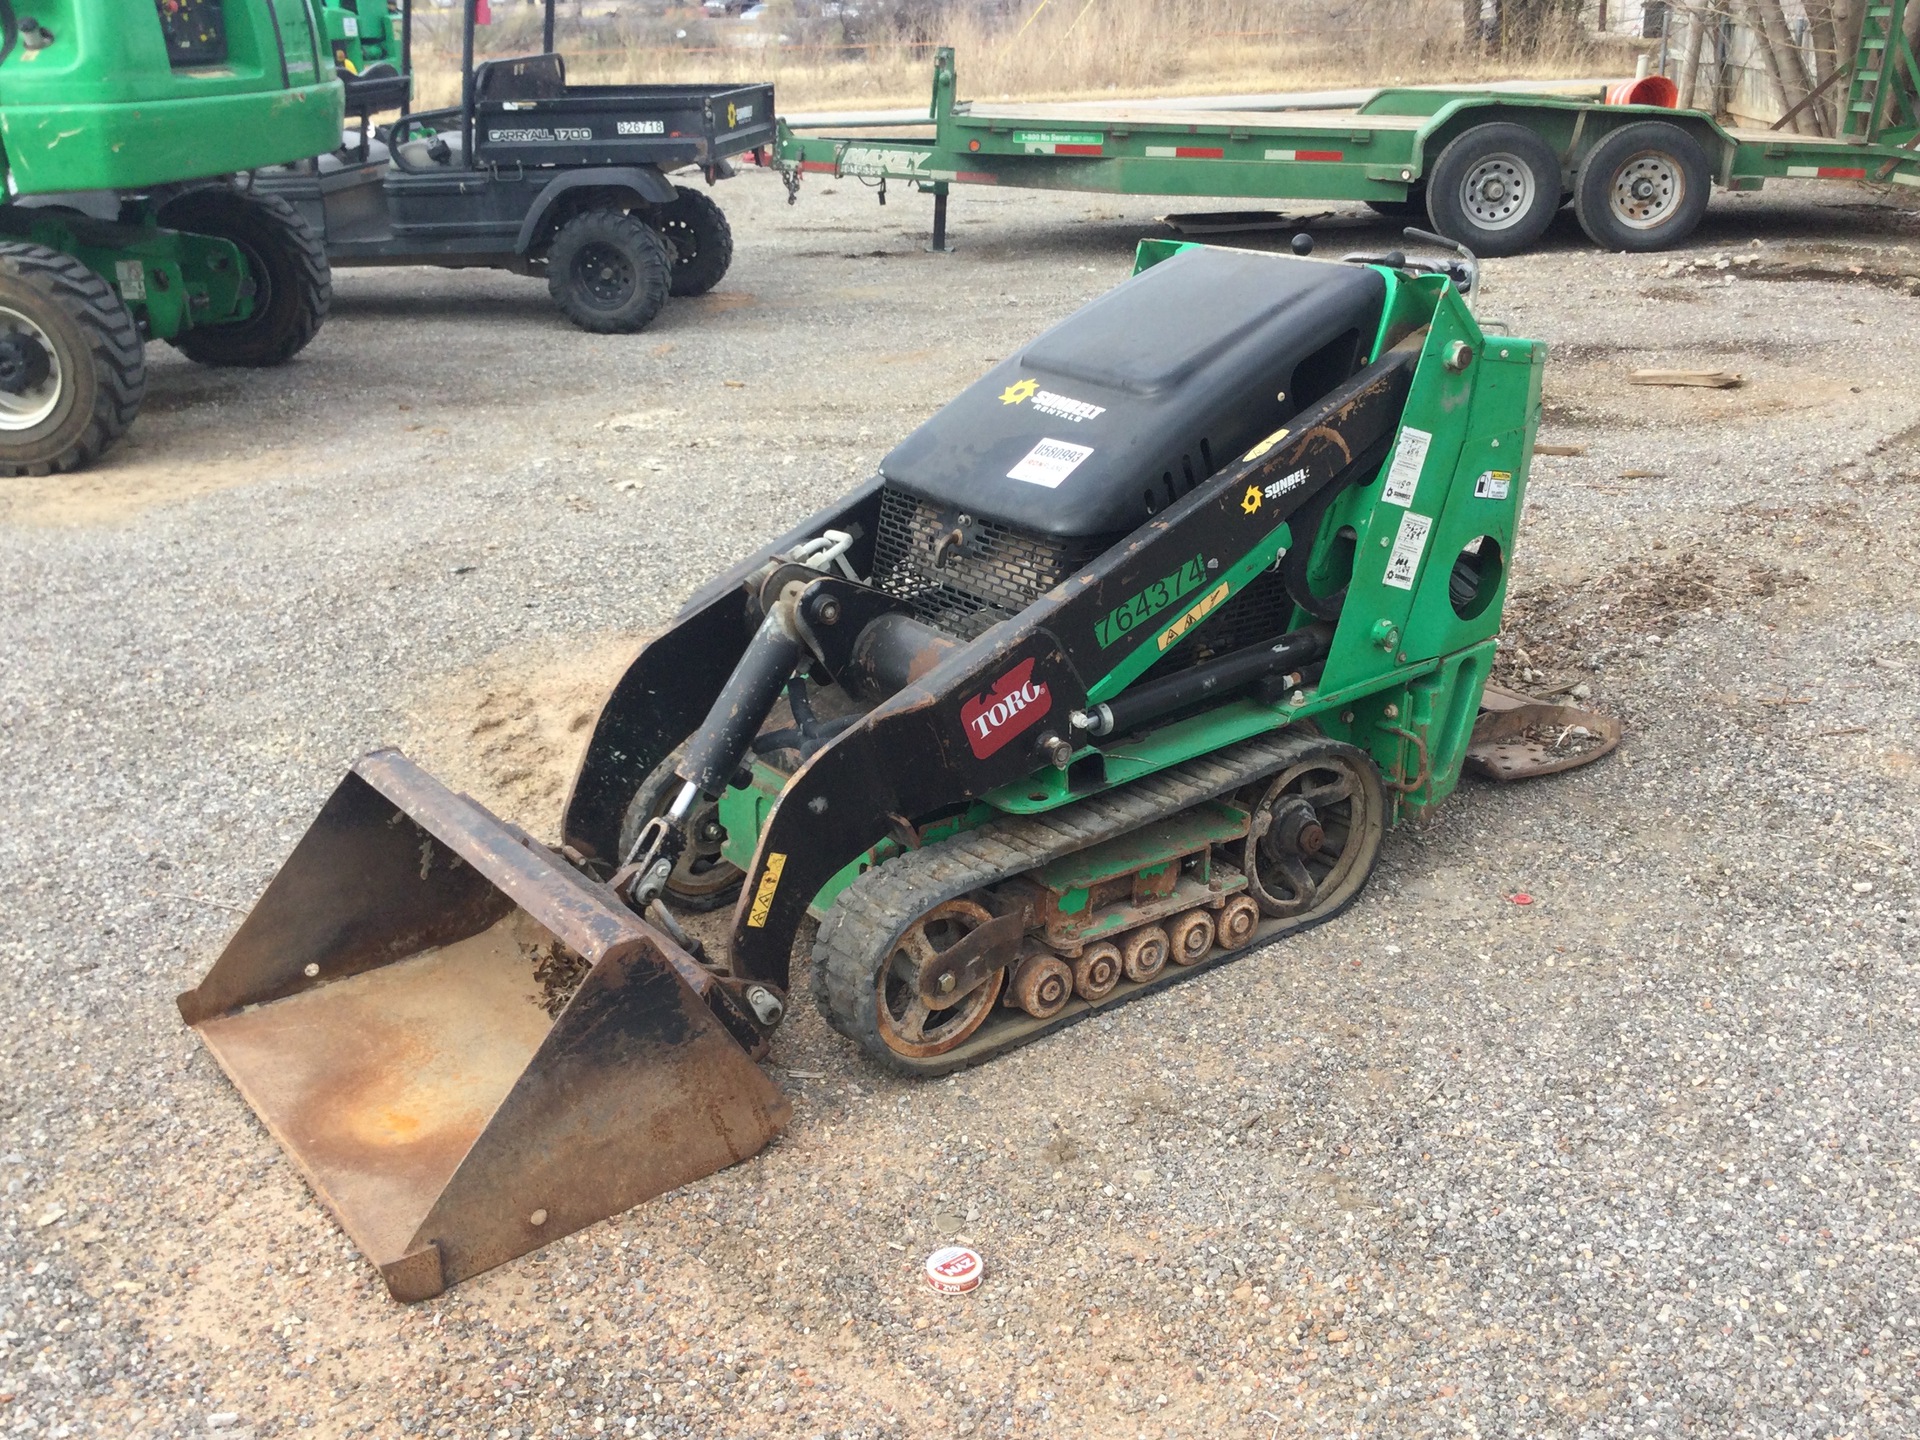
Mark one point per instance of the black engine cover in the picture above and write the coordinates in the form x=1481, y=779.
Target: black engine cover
x=1129, y=403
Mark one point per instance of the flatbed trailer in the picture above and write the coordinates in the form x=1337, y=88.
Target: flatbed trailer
x=1487, y=168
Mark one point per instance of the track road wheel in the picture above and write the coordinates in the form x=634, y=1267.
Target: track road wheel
x=609, y=272
x=1042, y=985
x=1143, y=953
x=1239, y=918
x=1191, y=937
x=701, y=238
x=292, y=285
x=1494, y=189
x=72, y=368
x=1097, y=971
x=1316, y=831
x=703, y=879
x=1644, y=187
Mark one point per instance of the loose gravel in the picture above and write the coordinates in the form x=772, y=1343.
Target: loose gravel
x=1637, y=1158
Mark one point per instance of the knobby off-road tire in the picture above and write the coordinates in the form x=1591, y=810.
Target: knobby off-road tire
x=293, y=285
x=1644, y=187
x=71, y=343
x=855, y=951
x=702, y=241
x=609, y=272
x=1494, y=189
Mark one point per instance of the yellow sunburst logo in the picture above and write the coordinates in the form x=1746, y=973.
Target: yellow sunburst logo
x=1250, y=502
x=1018, y=391
x=733, y=115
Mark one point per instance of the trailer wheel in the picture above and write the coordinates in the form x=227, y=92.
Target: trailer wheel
x=72, y=366
x=1494, y=189
x=701, y=238
x=293, y=287
x=1644, y=187
x=609, y=272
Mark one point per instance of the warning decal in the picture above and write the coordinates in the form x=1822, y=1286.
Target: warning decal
x=1403, y=476
x=1408, y=546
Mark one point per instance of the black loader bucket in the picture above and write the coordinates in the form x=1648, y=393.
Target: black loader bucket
x=469, y=1047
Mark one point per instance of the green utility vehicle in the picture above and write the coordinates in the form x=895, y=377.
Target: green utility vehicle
x=119, y=125
x=1487, y=168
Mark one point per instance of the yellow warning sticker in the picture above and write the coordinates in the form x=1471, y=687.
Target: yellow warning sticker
x=1265, y=445
x=1208, y=603
x=763, y=897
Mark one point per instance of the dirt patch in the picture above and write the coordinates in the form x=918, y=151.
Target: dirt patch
x=1561, y=626
x=720, y=302
x=510, y=731
x=128, y=483
x=1889, y=271
x=1598, y=395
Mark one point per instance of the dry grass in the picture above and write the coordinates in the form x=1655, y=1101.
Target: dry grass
x=1049, y=50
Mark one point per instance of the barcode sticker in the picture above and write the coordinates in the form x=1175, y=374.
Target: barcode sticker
x=1050, y=462
x=1404, y=563
x=1403, y=476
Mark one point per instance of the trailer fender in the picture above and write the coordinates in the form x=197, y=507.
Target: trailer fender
x=638, y=184
x=1571, y=127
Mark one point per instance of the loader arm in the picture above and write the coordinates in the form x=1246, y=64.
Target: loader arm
x=674, y=679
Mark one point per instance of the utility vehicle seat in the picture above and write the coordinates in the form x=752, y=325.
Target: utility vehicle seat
x=527, y=77
x=425, y=152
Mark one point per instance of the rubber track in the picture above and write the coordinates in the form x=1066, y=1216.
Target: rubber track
x=870, y=914
x=120, y=357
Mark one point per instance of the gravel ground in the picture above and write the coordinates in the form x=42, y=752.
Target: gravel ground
x=1635, y=1159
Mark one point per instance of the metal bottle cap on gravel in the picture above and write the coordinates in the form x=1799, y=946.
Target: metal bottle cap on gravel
x=954, y=1269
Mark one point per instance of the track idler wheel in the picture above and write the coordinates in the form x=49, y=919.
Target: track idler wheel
x=1042, y=985
x=906, y=1024
x=1143, y=954
x=1097, y=971
x=1316, y=830
x=1238, y=919
x=1191, y=937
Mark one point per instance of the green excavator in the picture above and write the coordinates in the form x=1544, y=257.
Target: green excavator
x=122, y=125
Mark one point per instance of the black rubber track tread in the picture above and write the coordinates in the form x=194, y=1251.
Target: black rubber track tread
x=312, y=289
x=712, y=255
x=870, y=913
x=120, y=357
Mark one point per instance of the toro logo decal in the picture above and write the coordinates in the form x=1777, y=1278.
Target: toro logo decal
x=1015, y=702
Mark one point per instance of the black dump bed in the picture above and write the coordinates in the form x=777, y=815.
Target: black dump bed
x=1132, y=401
x=525, y=113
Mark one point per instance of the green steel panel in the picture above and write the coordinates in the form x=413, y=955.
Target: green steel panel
x=1209, y=824
x=102, y=107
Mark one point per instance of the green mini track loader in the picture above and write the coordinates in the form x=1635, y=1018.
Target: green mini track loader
x=120, y=122
x=1118, y=672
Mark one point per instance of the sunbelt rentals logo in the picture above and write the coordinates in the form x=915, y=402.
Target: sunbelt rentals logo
x=1061, y=407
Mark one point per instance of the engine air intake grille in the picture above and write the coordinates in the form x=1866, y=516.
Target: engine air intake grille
x=966, y=577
